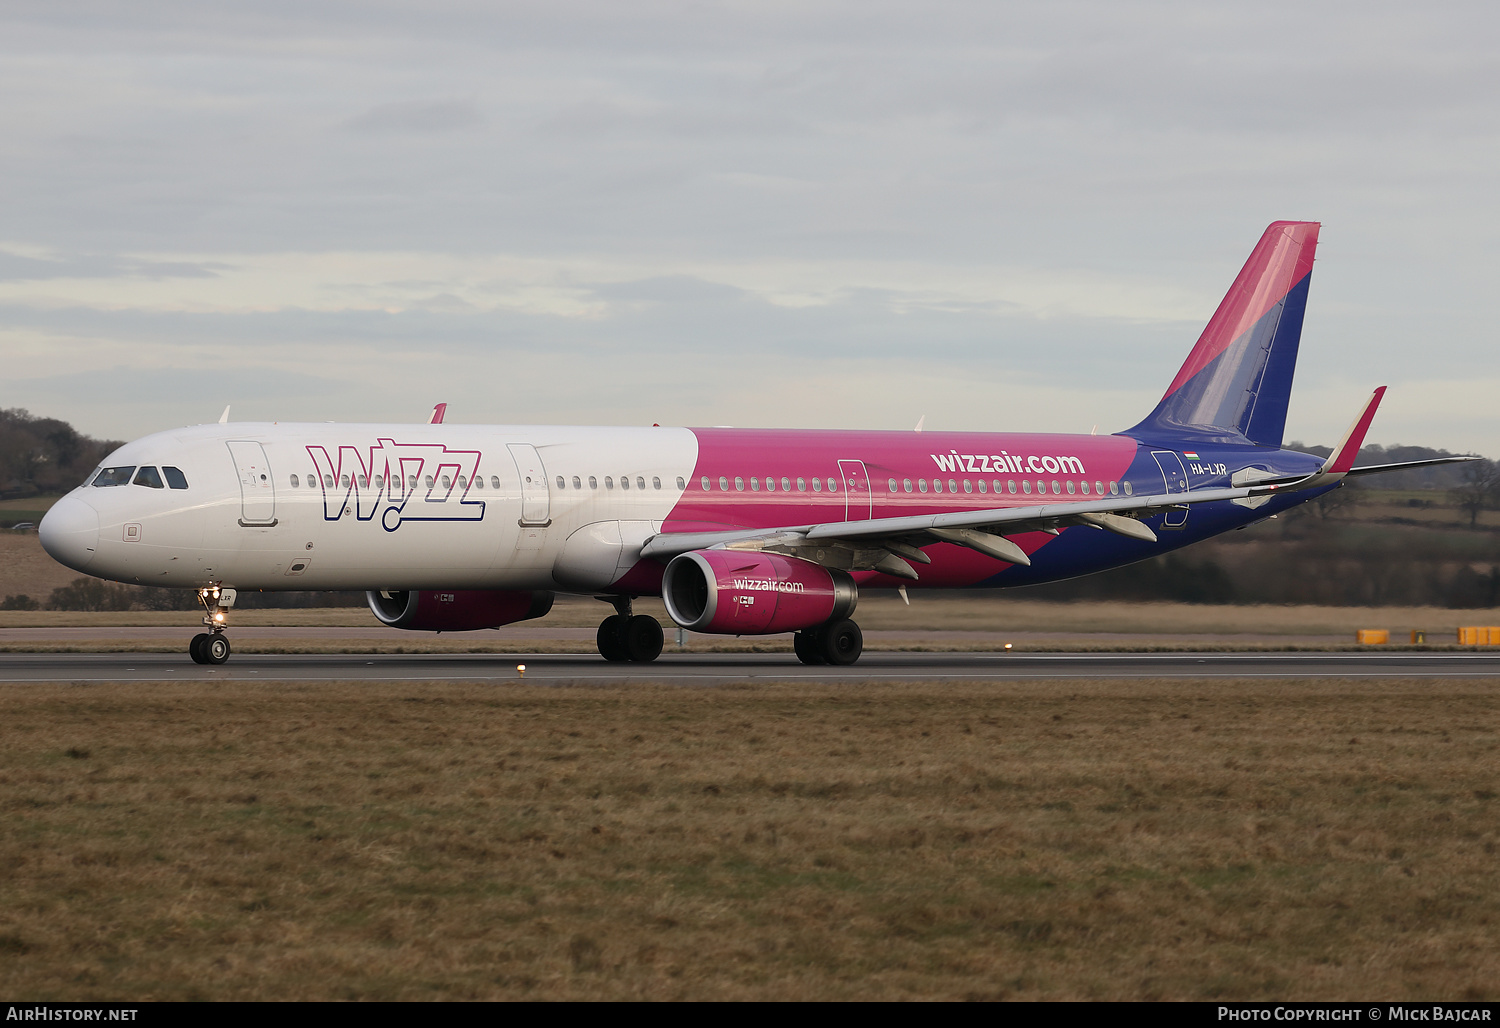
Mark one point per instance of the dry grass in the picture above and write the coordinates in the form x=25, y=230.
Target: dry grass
x=1173, y=839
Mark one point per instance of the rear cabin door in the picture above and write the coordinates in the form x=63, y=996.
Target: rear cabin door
x=858, y=500
x=257, y=487
x=1175, y=476
x=536, y=497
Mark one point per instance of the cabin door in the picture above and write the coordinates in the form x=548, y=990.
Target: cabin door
x=858, y=501
x=257, y=487
x=1175, y=476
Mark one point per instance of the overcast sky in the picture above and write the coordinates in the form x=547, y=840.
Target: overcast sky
x=1002, y=216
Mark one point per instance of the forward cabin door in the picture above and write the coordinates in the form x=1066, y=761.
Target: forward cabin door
x=536, y=497
x=1175, y=476
x=858, y=500
x=257, y=487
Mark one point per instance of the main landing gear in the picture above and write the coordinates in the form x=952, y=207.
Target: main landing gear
x=623, y=637
x=212, y=647
x=839, y=643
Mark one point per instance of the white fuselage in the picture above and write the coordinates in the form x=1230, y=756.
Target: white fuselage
x=347, y=506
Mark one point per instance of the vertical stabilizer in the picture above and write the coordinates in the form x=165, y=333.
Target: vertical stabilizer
x=1235, y=385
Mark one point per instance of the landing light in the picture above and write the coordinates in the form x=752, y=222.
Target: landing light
x=218, y=617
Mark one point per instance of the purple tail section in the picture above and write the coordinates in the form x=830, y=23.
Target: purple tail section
x=1235, y=385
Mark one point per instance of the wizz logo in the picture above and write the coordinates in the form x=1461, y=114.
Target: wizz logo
x=399, y=481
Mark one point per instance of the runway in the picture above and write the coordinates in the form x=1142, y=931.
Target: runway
x=717, y=669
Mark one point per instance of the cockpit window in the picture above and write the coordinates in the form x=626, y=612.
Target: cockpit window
x=148, y=477
x=114, y=476
x=176, y=479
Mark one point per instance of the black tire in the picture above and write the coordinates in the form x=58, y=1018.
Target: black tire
x=843, y=642
x=808, y=646
x=195, y=648
x=643, y=638
x=611, y=638
x=216, y=650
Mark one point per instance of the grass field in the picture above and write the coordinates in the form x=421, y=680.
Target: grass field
x=1196, y=840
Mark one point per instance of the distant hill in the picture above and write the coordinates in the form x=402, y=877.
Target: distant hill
x=44, y=455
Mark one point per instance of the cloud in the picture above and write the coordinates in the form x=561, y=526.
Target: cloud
x=418, y=116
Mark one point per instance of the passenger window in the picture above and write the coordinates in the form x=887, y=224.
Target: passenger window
x=817, y=485
x=1010, y=487
x=739, y=484
x=1114, y=488
x=981, y=485
x=1070, y=487
x=494, y=481
x=802, y=485
x=447, y=482
x=1128, y=490
x=463, y=483
x=640, y=481
x=624, y=481
x=114, y=476
x=906, y=485
x=755, y=485
x=723, y=484
x=593, y=482
x=1026, y=487
x=786, y=485
x=148, y=477
x=609, y=483
x=429, y=482
x=328, y=482
x=577, y=482
x=1099, y=488
x=364, y=483
x=655, y=482
x=1041, y=487
x=937, y=485
x=969, y=486
x=891, y=486
x=344, y=481
x=1084, y=486
x=707, y=485
x=1056, y=489
x=681, y=482
x=295, y=482
x=562, y=483
x=921, y=485
x=770, y=484
x=478, y=481
x=833, y=485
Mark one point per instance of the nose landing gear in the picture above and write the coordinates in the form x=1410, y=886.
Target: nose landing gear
x=212, y=647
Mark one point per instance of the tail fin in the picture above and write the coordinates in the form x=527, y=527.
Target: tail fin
x=1235, y=384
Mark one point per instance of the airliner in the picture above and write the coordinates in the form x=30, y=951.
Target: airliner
x=451, y=527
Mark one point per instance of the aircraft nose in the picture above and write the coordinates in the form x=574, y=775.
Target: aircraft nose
x=70, y=532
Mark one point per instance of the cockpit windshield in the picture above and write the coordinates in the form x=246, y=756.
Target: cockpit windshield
x=114, y=476
x=149, y=477
x=176, y=479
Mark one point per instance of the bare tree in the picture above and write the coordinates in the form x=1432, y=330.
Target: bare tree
x=1478, y=489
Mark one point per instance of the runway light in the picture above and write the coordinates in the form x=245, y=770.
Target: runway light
x=521, y=670
x=1007, y=647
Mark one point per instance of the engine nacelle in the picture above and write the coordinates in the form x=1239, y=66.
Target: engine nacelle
x=742, y=592
x=458, y=611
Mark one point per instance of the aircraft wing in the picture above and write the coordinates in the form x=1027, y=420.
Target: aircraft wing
x=984, y=530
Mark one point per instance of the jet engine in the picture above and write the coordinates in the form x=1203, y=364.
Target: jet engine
x=741, y=592
x=459, y=611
